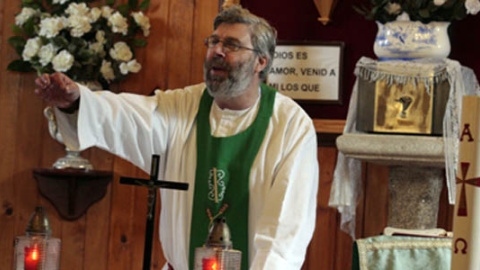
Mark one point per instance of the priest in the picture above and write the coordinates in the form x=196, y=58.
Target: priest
x=248, y=152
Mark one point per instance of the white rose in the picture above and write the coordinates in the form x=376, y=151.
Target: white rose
x=142, y=21
x=404, y=17
x=107, y=12
x=132, y=66
x=100, y=37
x=79, y=25
x=118, y=23
x=77, y=9
x=94, y=14
x=50, y=27
x=393, y=8
x=31, y=48
x=472, y=6
x=63, y=61
x=97, y=47
x=46, y=54
x=24, y=15
x=121, y=52
x=439, y=2
x=60, y=2
x=107, y=71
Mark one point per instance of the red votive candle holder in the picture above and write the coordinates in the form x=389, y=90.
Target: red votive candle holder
x=210, y=264
x=32, y=257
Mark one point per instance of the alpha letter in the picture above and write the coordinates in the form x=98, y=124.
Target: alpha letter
x=466, y=131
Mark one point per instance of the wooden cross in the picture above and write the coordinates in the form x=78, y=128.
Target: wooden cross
x=462, y=206
x=152, y=184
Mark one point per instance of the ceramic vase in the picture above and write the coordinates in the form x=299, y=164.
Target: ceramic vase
x=411, y=40
x=73, y=159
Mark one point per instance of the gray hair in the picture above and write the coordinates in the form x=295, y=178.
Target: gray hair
x=262, y=33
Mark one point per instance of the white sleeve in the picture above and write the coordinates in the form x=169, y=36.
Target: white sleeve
x=288, y=220
x=118, y=123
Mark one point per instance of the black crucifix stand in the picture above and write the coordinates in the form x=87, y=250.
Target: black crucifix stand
x=152, y=184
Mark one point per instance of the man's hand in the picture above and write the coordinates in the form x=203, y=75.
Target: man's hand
x=57, y=89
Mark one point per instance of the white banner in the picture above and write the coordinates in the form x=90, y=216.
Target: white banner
x=310, y=72
x=466, y=222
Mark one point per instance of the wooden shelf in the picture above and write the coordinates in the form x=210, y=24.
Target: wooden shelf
x=72, y=191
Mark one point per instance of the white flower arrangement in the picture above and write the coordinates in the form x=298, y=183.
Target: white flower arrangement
x=418, y=10
x=87, y=43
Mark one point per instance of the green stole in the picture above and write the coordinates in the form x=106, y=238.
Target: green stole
x=231, y=159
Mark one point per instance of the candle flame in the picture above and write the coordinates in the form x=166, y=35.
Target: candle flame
x=35, y=254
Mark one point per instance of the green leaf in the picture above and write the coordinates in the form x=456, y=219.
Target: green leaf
x=133, y=4
x=144, y=4
x=424, y=13
x=20, y=66
x=123, y=9
x=16, y=29
x=60, y=41
x=27, y=1
x=86, y=54
x=139, y=42
x=110, y=2
x=79, y=42
x=460, y=12
x=33, y=5
x=17, y=41
x=72, y=48
x=29, y=27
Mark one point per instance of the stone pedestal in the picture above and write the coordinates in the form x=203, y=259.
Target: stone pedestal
x=416, y=173
x=414, y=197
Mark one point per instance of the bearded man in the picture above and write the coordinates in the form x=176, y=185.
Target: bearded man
x=258, y=145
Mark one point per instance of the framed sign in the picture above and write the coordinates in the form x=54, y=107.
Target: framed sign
x=308, y=71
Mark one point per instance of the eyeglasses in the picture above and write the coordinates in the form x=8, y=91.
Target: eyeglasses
x=228, y=44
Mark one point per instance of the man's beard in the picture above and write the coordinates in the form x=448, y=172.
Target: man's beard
x=238, y=77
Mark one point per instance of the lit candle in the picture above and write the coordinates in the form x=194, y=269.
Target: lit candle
x=32, y=257
x=210, y=264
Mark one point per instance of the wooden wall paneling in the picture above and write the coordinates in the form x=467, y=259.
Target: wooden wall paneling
x=376, y=200
x=343, y=252
x=334, y=126
x=9, y=213
x=324, y=241
x=158, y=260
x=73, y=238
x=98, y=217
x=342, y=255
x=121, y=218
x=344, y=242
x=180, y=27
x=205, y=12
x=445, y=211
x=154, y=64
x=27, y=150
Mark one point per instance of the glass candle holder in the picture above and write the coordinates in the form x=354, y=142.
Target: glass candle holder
x=32, y=253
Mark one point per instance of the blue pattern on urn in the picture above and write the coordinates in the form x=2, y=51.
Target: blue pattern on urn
x=405, y=39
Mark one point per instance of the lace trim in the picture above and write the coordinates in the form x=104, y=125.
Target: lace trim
x=427, y=72
x=364, y=246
